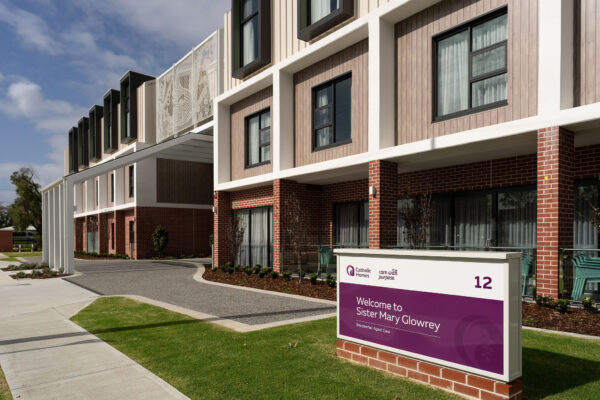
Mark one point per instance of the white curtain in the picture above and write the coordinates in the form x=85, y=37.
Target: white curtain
x=321, y=8
x=490, y=32
x=253, y=140
x=489, y=90
x=259, y=237
x=352, y=224
x=453, y=74
x=364, y=224
x=517, y=213
x=249, y=41
x=243, y=257
x=439, y=233
x=473, y=227
x=584, y=233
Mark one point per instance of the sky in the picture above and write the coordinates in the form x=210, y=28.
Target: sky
x=59, y=57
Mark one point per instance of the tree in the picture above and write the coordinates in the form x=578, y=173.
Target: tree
x=236, y=233
x=295, y=227
x=160, y=239
x=416, y=215
x=5, y=219
x=27, y=207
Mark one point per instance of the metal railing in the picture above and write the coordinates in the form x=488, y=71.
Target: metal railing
x=567, y=273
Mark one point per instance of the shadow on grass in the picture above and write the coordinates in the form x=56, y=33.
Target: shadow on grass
x=546, y=373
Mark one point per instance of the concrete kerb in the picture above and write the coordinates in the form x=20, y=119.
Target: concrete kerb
x=561, y=333
x=198, y=276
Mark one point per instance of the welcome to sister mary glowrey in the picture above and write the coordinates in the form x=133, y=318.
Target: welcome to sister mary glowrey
x=386, y=311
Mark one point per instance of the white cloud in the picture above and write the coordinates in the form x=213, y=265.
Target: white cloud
x=31, y=29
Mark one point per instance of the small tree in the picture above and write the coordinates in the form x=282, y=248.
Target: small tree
x=295, y=227
x=236, y=233
x=160, y=239
x=27, y=207
x=416, y=214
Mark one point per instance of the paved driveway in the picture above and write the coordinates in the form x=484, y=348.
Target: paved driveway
x=172, y=282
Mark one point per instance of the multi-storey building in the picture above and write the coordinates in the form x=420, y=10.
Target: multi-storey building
x=336, y=116
x=141, y=159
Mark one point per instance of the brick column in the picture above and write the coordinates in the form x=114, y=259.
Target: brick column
x=120, y=232
x=555, y=148
x=222, y=228
x=103, y=233
x=383, y=206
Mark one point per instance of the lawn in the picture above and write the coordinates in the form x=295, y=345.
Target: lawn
x=209, y=362
x=23, y=254
x=4, y=390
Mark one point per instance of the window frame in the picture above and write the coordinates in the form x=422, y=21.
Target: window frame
x=315, y=89
x=131, y=172
x=468, y=26
x=308, y=31
x=112, y=188
x=112, y=235
x=260, y=130
x=269, y=230
x=585, y=182
x=360, y=204
x=112, y=99
x=239, y=71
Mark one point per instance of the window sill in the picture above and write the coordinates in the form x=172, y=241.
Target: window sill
x=324, y=24
x=250, y=68
x=471, y=111
x=332, y=145
x=257, y=165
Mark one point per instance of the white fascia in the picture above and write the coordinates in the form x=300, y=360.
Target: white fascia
x=105, y=210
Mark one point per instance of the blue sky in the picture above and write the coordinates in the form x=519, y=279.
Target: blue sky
x=58, y=58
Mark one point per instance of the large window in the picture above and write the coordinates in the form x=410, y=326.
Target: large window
x=258, y=138
x=131, y=181
x=504, y=219
x=112, y=188
x=585, y=235
x=257, y=243
x=251, y=36
x=126, y=104
x=318, y=16
x=332, y=113
x=471, y=66
x=352, y=224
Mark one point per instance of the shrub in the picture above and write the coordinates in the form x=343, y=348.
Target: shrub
x=313, y=278
x=274, y=274
x=562, y=305
x=160, y=239
x=21, y=275
x=549, y=302
x=269, y=270
x=331, y=280
x=214, y=268
x=588, y=304
x=263, y=272
x=539, y=300
x=287, y=276
x=248, y=270
x=36, y=273
x=257, y=268
x=301, y=274
x=237, y=267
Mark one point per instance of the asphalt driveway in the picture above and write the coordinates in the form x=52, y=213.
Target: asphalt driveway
x=172, y=282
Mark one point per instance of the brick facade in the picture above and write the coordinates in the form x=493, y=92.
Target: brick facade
x=555, y=175
x=222, y=228
x=383, y=204
x=463, y=384
x=6, y=240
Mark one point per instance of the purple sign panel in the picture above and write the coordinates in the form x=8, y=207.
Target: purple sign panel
x=458, y=329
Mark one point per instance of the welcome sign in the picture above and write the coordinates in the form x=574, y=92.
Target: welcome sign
x=457, y=309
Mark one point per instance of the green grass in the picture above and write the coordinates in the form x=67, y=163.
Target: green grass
x=204, y=361
x=4, y=390
x=209, y=362
x=9, y=259
x=23, y=254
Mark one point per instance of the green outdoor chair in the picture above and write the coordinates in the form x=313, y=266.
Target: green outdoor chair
x=325, y=258
x=526, y=264
x=587, y=270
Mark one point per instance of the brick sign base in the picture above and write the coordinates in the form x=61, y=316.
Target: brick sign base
x=450, y=380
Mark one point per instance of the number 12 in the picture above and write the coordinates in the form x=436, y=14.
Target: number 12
x=487, y=282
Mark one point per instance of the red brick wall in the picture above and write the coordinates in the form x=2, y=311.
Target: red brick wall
x=103, y=233
x=256, y=197
x=120, y=230
x=188, y=229
x=505, y=172
x=110, y=219
x=79, y=232
x=383, y=206
x=222, y=227
x=587, y=162
x=451, y=380
x=6, y=240
x=555, y=159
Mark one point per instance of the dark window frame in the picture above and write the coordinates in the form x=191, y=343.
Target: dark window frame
x=468, y=26
x=131, y=232
x=112, y=235
x=263, y=58
x=131, y=172
x=315, y=89
x=308, y=31
x=269, y=233
x=94, y=133
x=112, y=99
x=451, y=196
x=586, y=182
x=73, y=139
x=112, y=188
x=82, y=142
x=260, y=130
x=360, y=204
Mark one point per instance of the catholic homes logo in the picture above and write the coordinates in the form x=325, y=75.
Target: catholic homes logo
x=350, y=270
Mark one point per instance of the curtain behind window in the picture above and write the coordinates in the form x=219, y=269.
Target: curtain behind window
x=253, y=140
x=584, y=233
x=249, y=32
x=453, y=74
x=473, y=226
x=259, y=237
x=243, y=217
x=440, y=229
x=321, y=8
x=346, y=223
x=517, y=213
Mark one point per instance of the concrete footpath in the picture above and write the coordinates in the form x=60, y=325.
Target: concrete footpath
x=46, y=356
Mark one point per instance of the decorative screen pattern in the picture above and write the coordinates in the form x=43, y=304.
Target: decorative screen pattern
x=185, y=93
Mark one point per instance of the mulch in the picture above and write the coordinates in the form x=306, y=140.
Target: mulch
x=575, y=320
x=28, y=276
x=86, y=257
x=320, y=290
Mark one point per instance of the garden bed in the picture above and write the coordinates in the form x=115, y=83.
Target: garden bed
x=575, y=320
x=38, y=274
x=96, y=256
x=24, y=266
x=320, y=290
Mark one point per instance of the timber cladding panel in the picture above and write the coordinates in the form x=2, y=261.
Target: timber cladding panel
x=353, y=60
x=239, y=111
x=183, y=182
x=587, y=52
x=414, y=67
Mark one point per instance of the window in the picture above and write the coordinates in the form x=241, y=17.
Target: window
x=585, y=235
x=332, y=113
x=73, y=150
x=94, y=135
x=108, y=126
x=112, y=188
x=470, y=67
x=112, y=235
x=251, y=36
x=352, y=224
x=131, y=232
x=125, y=104
x=111, y=137
x=97, y=193
x=257, y=243
x=131, y=182
x=318, y=16
x=258, y=138
x=82, y=142
x=504, y=219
